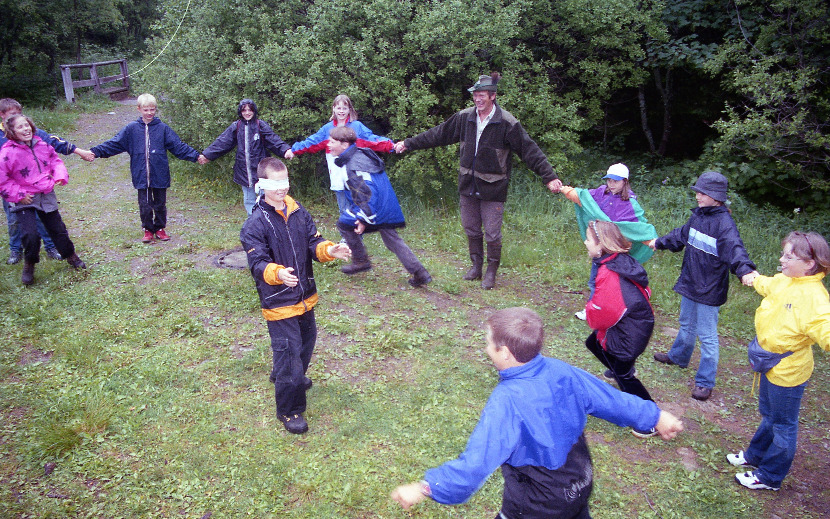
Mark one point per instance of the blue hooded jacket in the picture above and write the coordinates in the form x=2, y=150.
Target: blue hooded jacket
x=370, y=195
x=153, y=171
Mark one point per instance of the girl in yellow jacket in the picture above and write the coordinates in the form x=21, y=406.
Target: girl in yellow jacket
x=794, y=315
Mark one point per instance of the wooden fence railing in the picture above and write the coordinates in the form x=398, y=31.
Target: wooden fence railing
x=95, y=80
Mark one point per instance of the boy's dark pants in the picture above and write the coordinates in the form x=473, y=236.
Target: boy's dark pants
x=292, y=343
x=30, y=237
x=152, y=208
x=391, y=239
x=539, y=493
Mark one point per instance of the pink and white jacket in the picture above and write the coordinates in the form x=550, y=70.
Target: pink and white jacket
x=28, y=170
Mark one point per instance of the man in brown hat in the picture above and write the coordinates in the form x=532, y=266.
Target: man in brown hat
x=488, y=134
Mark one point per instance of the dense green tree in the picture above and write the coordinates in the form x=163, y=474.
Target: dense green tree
x=36, y=37
x=778, y=62
x=649, y=75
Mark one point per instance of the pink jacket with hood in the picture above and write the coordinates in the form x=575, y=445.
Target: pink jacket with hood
x=29, y=170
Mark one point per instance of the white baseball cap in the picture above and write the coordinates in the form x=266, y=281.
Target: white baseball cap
x=617, y=171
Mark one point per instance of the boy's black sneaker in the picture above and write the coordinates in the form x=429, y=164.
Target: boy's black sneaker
x=295, y=424
x=354, y=268
x=420, y=278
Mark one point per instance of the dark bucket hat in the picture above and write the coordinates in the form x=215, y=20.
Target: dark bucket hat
x=713, y=184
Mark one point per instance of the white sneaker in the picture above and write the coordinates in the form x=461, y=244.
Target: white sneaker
x=581, y=315
x=750, y=480
x=737, y=459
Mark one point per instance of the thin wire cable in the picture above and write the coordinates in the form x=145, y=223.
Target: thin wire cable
x=157, y=56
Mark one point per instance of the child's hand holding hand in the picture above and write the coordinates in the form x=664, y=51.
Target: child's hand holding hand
x=285, y=275
x=408, y=495
x=288, y=155
x=652, y=244
x=202, y=160
x=749, y=279
x=554, y=185
x=399, y=147
x=340, y=251
x=85, y=154
x=359, y=227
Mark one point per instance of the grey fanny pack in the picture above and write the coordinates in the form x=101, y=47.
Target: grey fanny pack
x=761, y=360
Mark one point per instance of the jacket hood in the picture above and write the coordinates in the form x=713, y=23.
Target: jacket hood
x=250, y=103
x=360, y=159
x=627, y=267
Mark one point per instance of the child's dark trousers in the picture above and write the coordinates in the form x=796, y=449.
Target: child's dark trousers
x=152, y=208
x=292, y=343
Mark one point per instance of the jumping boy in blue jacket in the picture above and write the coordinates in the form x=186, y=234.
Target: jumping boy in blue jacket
x=147, y=141
x=532, y=426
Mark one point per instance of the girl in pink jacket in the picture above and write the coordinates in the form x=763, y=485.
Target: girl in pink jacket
x=29, y=170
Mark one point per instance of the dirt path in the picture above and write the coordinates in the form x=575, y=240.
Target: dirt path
x=729, y=411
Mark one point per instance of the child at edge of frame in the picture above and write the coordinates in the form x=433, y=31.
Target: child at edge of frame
x=533, y=427
x=281, y=240
x=147, y=141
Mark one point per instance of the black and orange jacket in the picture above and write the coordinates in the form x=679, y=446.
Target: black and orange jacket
x=620, y=310
x=274, y=240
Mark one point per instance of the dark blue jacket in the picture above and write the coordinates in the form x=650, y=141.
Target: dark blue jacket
x=261, y=140
x=370, y=195
x=268, y=237
x=61, y=146
x=132, y=140
x=713, y=249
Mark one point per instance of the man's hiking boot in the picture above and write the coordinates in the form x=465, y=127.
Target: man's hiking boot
x=27, y=277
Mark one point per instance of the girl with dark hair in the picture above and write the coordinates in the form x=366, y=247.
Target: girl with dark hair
x=253, y=139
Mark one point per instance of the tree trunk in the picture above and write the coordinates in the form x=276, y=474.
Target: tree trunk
x=665, y=89
x=641, y=95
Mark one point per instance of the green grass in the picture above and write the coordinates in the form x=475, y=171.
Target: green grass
x=145, y=378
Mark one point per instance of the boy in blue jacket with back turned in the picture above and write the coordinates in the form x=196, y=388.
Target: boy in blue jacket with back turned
x=533, y=427
x=147, y=141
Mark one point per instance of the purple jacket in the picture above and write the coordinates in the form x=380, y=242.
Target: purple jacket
x=28, y=170
x=617, y=209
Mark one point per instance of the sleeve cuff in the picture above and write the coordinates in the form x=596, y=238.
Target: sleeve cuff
x=323, y=252
x=270, y=274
